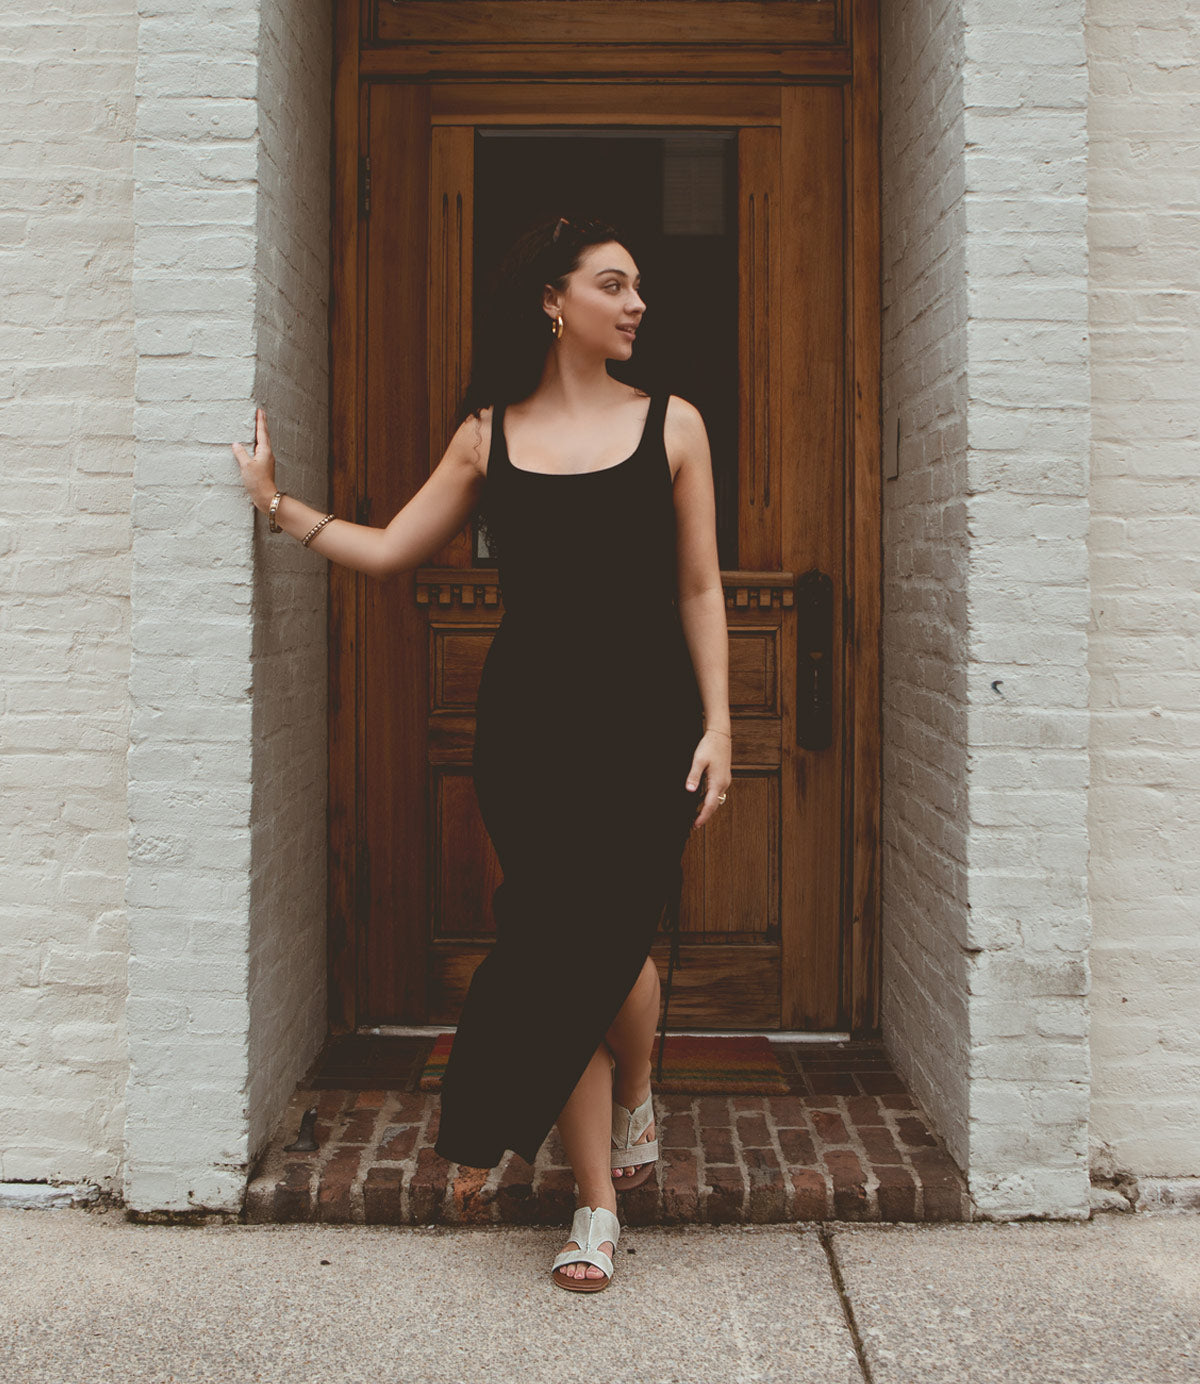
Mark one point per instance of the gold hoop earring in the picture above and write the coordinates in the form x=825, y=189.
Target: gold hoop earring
x=557, y=327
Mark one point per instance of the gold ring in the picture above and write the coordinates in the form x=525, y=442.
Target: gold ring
x=721, y=799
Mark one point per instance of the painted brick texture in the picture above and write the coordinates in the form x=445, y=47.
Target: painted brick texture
x=226, y=804
x=1144, y=646
x=1025, y=124
x=925, y=561
x=289, y=655
x=66, y=424
x=986, y=589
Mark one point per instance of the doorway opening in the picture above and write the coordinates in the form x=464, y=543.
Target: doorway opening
x=673, y=195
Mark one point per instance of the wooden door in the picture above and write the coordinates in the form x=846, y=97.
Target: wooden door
x=780, y=888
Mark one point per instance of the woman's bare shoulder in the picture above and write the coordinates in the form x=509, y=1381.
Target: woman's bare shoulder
x=472, y=441
x=684, y=434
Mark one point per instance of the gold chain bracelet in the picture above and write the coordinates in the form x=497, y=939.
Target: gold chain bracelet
x=717, y=731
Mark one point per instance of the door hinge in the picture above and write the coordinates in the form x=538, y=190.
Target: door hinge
x=364, y=185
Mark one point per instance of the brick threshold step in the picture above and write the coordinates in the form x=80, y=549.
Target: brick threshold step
x=724, y=1159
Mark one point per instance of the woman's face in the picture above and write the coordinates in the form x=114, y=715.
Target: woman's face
x=601, y=306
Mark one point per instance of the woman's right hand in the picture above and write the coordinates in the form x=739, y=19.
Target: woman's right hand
x=258, y=471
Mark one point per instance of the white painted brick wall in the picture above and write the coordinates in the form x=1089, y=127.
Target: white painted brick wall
x=1025, y=126
x=986, y=588
x=288, y=967
x=66, y=423
x=925, y=560
x=1144, y=229
x=226, y=801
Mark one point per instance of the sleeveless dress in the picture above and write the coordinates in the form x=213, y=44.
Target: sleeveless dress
x=587, y=718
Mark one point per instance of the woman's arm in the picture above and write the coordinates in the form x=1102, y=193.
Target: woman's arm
x=701, y=595
x=425, y=525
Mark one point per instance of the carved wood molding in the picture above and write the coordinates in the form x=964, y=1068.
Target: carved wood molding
x=458, y=586
x=758, y=590
x=471, y=588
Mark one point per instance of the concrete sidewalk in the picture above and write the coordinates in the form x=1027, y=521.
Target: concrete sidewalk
x=88, y=1298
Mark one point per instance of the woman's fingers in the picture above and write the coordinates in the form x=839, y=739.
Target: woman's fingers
x=710, y=804
x=258, y=470
x=264, y=437
x=700, y=768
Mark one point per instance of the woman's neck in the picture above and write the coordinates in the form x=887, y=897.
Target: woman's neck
x=577, y=386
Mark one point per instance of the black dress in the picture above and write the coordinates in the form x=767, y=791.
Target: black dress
x=588, y=716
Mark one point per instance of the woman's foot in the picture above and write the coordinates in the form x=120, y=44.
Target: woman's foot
x=607, y=1199
x=631, y=1100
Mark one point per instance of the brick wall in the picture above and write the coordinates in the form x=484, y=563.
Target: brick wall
x=1144, y=228
x=925, y=559
x=226, y=900
x=1025, y=99
x=986, y=588
x=66, y=422
x=289, y=768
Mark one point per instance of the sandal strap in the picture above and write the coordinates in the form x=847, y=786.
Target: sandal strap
x=629, y=1125
x=584, y=1256
x=633, y=1154
x=591, y=1226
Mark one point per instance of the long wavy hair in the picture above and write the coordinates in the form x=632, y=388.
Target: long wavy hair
x=513, y=332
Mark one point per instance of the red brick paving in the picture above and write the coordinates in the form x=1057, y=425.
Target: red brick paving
x=846, y=1143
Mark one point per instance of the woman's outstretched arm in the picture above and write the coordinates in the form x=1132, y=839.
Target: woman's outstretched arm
x=422, y=528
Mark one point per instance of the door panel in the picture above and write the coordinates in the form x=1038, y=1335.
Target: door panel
x=813, y=362
x=393, y=638
x=763, y=302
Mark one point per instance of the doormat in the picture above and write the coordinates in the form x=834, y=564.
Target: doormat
x=691, y=1065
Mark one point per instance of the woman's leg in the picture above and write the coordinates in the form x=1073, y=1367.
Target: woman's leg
x=585, y=1126
x=631, y=1038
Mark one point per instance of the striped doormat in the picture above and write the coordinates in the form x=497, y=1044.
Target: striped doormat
x=691, y=1065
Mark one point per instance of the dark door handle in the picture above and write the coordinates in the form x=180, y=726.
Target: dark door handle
x=814, y=660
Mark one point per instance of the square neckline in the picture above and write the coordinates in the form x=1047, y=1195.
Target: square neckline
x=595, y=470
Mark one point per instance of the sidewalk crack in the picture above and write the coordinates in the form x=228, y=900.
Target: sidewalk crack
x=825, y=1235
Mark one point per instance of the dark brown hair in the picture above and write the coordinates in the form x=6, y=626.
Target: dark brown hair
x=514, y=332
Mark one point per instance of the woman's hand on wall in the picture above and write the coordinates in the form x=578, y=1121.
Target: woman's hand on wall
x=258, y=471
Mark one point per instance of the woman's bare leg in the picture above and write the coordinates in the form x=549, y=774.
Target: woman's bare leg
x=631, y=1038
x=585, y=1126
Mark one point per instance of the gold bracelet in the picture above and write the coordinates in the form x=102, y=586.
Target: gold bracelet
x=716, y=730
x=272, y=526
x=316, y=529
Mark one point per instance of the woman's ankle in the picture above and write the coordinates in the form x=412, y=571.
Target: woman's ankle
x=633, y=1080
x=598, y=1196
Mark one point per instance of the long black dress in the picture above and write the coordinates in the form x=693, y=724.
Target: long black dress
x=588, y=715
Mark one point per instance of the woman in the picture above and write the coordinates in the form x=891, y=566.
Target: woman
x=589, y=750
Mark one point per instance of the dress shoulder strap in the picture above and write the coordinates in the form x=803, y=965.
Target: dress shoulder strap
x=654, y=438
x=657, y=417
x=497, y=449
